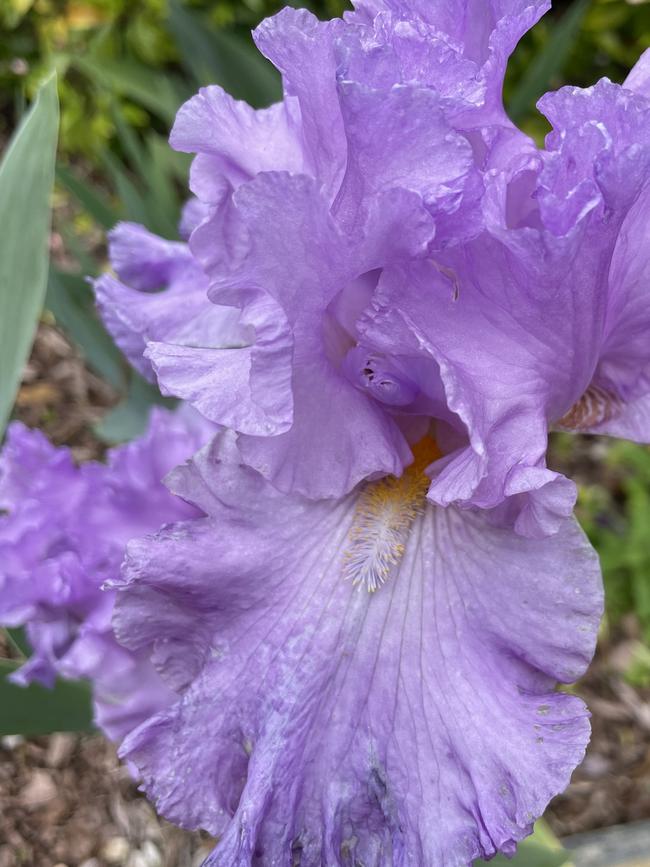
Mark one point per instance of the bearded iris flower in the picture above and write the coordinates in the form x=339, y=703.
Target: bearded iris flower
x=62, y=535
x=365, y=316
x=388, y=298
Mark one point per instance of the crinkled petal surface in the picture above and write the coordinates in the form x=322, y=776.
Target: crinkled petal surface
x=243, y=383
x=399, y=138
x=157, y=290
x=323, y=724
x=542, y=319
x=609, y=123
x=599, y=160
x=480, y=36
x=300, y=260
x=234, y=140
x=301, y=47
x=618, y=399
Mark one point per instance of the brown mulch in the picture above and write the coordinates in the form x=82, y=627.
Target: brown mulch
x=61, y=396
x=612, y=786
x=65, y=801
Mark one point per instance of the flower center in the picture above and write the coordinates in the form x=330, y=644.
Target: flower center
x=384, y=515
x=373, y=373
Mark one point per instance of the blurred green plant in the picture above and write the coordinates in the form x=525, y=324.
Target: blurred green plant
x=35, y=710
x=638, y=672
x=615, y=513
x=136, y=50
x=26, y=179
x=45, y=34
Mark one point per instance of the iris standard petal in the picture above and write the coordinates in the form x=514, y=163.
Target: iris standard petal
x=235, y=140
x=299, y=259
x=301, y=47
x=399, y=139
x=618, y=397
x=483, y=34
x=602, y=143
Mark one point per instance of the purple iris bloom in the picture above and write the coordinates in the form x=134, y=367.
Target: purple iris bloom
x=366, y=627
x=63, y=535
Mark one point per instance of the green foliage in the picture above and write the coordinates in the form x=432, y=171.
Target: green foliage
x=615, y=512
x=135, y=50
x=150, y=195
x=18, y=641
x=638, y=672
x=214, y=58
x=26, y=179
x=548, y=62
x=71, y=301
x=35, y=710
